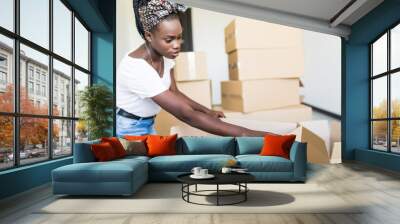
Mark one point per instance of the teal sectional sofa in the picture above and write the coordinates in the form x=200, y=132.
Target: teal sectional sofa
x=125, y=176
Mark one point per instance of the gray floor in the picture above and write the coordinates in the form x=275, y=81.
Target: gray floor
x=378, y=188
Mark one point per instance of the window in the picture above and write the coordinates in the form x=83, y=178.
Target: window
x=3, y=72
x=34, y=21
x=54, y=125
x=62, y=74
x=6, y=143
x=81, y=81
x=62, y=137
x=62, y=29
x=30, y=88
x=44, y=91
x=6, y=89
x=3, y=78
x=7, y=14
x=385, y=91
x=37, y=75
x=38, y=89
x=30, y=73
x=3, y=61
x=43, y=77
x=81, y=45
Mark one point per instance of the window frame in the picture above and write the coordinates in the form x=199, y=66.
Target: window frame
x=388, y=74
x=16, y=114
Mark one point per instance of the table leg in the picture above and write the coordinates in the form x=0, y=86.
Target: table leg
x=188, y=190
x=196, y=187
x=245, y=193
x=217, y=194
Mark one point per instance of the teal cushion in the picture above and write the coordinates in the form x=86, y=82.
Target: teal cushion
x=257, y=163
x=195, y=145
x=111, y=171
x=133, y=157
x=185, y=163
x=249, y=145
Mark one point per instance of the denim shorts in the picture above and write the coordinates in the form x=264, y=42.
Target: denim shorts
x=129, y=126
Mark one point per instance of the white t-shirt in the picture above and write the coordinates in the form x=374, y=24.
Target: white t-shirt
x=137, y=82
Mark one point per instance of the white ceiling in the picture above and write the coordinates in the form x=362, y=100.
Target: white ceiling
x=316, y=15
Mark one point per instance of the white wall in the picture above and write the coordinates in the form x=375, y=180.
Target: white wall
x=128, y=38
x=322, y=71
x=322, y=78
x=208, y=36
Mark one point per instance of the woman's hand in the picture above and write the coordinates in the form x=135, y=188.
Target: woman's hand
x=216, y=114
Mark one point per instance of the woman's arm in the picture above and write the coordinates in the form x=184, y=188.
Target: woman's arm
x=192, y=103
x=172, y=103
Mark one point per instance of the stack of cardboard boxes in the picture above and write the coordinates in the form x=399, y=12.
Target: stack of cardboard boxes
x=191, y=76
x=266, y=62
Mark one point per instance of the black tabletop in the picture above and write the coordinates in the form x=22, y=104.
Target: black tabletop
x=220, y=178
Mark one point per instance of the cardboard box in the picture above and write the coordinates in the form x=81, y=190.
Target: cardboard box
x=244, y=33
x=295, y=113
x=336, y=154
x=191, y=66
x=199, y=91
x=263, y=94
x=323, y=140
x=316, y=146
x=266, y=63
x=335, y=129
x=269, y=126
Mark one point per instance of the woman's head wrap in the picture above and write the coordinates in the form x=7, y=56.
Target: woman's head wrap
x=149, y=13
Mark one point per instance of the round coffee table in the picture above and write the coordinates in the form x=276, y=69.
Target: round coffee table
x=238, y=179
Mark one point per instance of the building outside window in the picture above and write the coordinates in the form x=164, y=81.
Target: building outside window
x=3, y=72
x=34, y=79
x=30, y=72
x=44, y=77
x=3, y=61
x=30, y=87
x=43, y=90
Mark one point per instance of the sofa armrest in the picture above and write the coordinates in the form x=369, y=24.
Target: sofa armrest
x=298, y=155
x=83, y=152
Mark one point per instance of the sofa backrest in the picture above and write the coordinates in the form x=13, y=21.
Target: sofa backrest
x=249, y=145
x=83, y=152
x=192, y=145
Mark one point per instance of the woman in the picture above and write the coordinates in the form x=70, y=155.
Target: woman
x=145, y=78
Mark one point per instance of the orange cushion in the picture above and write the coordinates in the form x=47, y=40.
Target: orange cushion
x=116, y=145
x=277, y=145
x=158, y=145
x=103, y=151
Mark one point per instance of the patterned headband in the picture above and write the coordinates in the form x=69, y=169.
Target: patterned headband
x=154, y=11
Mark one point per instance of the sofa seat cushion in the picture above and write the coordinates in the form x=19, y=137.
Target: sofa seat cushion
x=257, y=163
x=185, y=163
x=112, y=171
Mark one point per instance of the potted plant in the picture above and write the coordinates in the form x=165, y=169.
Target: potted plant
x=96, y=103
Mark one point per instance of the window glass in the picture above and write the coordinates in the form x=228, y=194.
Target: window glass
x=379, y=56
x=39, y=62
x=62, y=29
x=81, y=45
x=34, y=21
